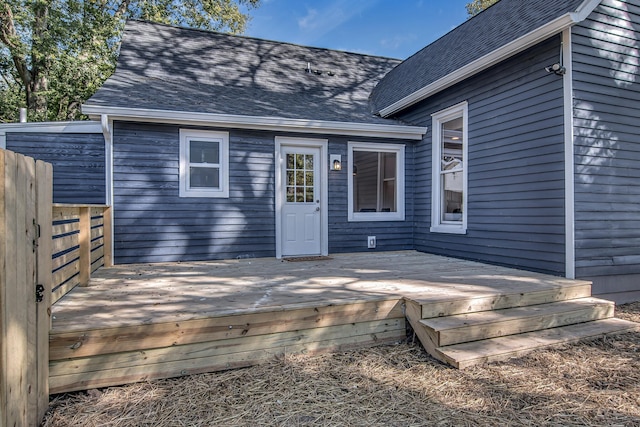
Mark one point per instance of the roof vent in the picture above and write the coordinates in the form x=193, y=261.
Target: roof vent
x=317, y=72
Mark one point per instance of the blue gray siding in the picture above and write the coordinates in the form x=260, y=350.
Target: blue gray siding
x=515, y=166
x=153, y=224
x=606, y=58
x=345, y=236
x=77, y=159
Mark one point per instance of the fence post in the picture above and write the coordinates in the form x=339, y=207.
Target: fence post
x=18, y=328
x=107, y=232
x=44, y=197
x=85, y=245
x=6, y=240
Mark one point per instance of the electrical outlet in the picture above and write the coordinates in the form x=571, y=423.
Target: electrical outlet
x=371, y=242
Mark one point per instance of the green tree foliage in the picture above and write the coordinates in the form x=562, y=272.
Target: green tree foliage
x=55, y=54
x=477, y=6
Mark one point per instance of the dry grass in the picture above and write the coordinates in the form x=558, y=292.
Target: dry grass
x=591, y=383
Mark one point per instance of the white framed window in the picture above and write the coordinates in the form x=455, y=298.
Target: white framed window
x=449, y=169
x=204, y=163
x=376, y=182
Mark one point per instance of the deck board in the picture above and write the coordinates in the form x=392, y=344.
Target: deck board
x=141, y=294
x=150, y=321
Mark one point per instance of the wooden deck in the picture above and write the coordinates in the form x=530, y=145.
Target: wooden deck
x=139, y=322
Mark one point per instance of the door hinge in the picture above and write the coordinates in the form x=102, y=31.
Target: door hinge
x=39, y=293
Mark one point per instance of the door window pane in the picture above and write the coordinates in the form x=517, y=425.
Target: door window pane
x=300, y=178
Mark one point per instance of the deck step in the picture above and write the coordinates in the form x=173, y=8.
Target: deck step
x=496, y=301
x=478, y=352
x=476, y=326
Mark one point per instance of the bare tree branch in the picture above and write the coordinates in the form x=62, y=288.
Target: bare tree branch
x=9, y=37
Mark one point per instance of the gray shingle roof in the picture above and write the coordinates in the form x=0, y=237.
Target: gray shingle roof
x=168, y=68
x=493, y=28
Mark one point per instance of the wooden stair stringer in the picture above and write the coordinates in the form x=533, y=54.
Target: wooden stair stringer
x=413, y=312
x=573, y=326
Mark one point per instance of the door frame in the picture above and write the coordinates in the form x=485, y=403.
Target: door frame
x=323, y=170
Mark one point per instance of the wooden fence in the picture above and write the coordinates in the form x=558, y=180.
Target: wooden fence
x=36, y=269
x=25, y=276
x=81, y=245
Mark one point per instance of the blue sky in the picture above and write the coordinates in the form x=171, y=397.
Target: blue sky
x=390, y=28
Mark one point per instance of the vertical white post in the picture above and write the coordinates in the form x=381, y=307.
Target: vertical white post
x=569, y=187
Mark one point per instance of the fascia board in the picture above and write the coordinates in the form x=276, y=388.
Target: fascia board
x=47, y=127
x=260, y=123
x=584, y=10
x=52, y=127
x=554, y=27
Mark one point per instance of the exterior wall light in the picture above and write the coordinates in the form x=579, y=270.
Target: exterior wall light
x=335, y=162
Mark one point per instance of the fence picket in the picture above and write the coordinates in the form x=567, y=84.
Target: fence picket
x=26, y=249
x=44, y=190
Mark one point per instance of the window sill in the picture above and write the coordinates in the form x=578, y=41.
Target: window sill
x=376, y=216
x=209, y=194
x=448, y=229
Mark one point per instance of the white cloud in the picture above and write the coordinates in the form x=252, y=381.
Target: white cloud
x=320, y=21
x=310, y=21
x=396, y=42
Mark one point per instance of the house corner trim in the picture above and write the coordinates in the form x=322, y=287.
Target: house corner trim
x=570, y=256
x=106, y=124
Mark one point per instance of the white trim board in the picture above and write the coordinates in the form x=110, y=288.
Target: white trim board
x=279, y=124
x=107, y=132
x=399, y=151
x=512, y=48
x=48, y=127
x=460, y=110
x=222, y=138
x=569, y=178
x=323, y=145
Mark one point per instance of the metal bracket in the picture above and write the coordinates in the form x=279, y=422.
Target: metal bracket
x=39, y=293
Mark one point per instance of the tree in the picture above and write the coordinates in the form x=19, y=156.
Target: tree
x=55, y=54
x=477, y=6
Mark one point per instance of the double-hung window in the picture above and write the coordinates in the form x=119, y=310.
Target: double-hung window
x=376, y=182
x=449, y=168
x=204, y=163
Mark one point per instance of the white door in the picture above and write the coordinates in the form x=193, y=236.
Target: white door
x=301, y=232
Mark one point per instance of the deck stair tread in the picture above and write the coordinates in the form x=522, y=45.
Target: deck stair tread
x=473, y=302
x=501, y=348
x=490, y=324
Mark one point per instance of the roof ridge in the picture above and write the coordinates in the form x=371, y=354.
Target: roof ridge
x=241, y=36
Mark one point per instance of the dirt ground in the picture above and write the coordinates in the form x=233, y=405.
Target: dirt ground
x=592, y=383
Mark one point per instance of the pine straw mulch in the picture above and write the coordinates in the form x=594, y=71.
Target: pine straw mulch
x=596, y=382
